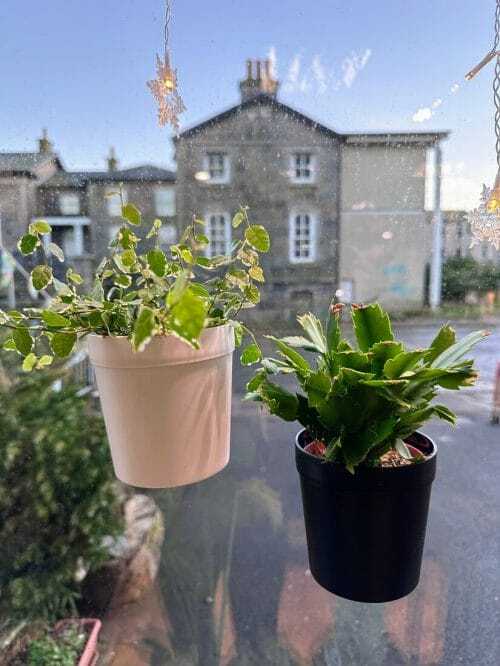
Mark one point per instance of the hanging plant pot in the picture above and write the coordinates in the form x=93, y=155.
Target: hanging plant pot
x=366, y=531
x=167, y=409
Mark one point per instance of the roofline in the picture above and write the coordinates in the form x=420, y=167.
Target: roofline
x=255, y=101
x=360, y=138
x=407, y=136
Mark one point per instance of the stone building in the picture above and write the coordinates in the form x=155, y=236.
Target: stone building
x=75, y=203
x=346, y=211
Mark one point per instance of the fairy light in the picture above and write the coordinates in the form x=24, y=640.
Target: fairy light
x=485, y=219
x=165, y=87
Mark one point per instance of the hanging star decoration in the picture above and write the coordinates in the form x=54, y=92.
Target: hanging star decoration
x=166, y=94
x=164, y=88
x=484, y=225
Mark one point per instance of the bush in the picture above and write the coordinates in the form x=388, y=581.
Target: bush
x=57, y=497
x=464, y=274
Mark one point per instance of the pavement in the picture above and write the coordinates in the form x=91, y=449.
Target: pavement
x=234, y=583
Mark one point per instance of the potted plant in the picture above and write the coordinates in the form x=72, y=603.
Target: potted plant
x=71, y=642
x=365, y=469
x=161, y=330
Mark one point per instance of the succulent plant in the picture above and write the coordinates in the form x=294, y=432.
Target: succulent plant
x=362, y=402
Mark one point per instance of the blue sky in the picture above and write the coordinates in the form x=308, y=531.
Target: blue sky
x=80, y=67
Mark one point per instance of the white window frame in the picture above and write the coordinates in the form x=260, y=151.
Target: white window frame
x=114, y=206
x=69, y=203
x=227, y=233
x=295, y=165
x=292, y=237
x=225, y=176
x=165, y=208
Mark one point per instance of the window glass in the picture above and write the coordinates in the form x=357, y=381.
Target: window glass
x=168, y=234
x=113, y=201
x=218, y=167
x=302, y=238
x=69, y=203
x=219, y=234
x=302, y=167
x=165, y=201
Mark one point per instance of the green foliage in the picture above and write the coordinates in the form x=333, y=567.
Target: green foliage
x=139, y=291
x=362, y=402
x=62, y=649
x=57, y=497
x=464, y=274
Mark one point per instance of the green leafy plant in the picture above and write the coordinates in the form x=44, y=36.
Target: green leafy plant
x=361, y=403
x=140, y=291
x=58, y=499
x=57, y=649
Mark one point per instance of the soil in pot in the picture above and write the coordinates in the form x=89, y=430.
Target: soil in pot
x=366, y=531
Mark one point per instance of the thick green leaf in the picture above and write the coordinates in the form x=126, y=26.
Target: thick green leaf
x=258, y=237
x=143, y=328
x=454, y=353
x=382, y=352
x=187, y=317
x=403, y=362
x=317, y=385
x=280, y=402
x=354, y=360
x=28, y=243
x=131, y=214
x=22, y=340
x=314, y=330
x=445, y=413
x=445, y=338
x=157, y=261
x=54, y=319
x=62, y=344
x=251, y=354
x=333, y=333
x=371, y=325
x=291, y=356
x=41, y=277
x=299, y=342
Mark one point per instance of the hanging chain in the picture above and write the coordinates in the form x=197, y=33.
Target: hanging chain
x=496, y=81
x=168, y=18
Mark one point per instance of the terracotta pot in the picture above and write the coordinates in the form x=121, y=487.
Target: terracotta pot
x=93, y=628
x=167, y=409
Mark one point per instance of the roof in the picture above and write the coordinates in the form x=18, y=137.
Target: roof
x=259, y=100
x=144, y=173
x=360, y=138
x=25, y=163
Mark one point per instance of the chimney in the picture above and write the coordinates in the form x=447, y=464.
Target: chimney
x=112, y=160
x=44, y=144
x=259, y=81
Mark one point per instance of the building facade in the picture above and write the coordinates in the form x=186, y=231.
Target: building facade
x=77, y=204
x=346, y=212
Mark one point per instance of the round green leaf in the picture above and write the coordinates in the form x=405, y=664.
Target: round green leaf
x=251, y=354
x=62, y=344
x=157, y=261
x=44, y=361
x=29, y=362
x=238, y=219
x=56, y=251
x=143, y=329
x=22, y=340
x=40, y=227
x=28, y=243
x=258, y=237
x=74, y=277
x=122, y=280
x=131, y=214
x=54, y=319
x=256, y=273
x=252, y=294
x=41, y=276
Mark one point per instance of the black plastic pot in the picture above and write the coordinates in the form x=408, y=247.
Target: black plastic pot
x=366, y=531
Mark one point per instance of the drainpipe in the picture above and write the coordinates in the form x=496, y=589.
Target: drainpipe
x=437, y=235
